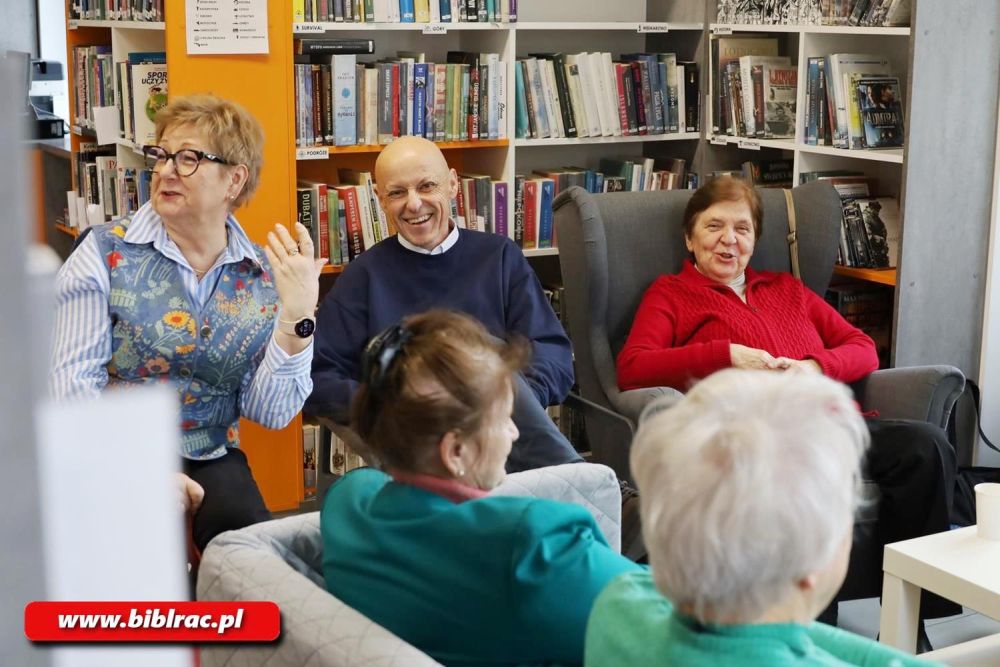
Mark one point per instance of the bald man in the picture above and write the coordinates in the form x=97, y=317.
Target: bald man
x=431, y=263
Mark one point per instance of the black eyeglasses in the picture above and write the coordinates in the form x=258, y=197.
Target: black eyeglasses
x=380, y=352
x=186, y=160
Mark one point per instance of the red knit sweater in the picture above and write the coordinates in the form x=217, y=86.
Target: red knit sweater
x=686, y=322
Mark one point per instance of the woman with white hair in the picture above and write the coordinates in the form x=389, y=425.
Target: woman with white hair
x=747, y=488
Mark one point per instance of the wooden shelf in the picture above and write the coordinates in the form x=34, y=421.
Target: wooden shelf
x=574, y=141
x=750, y=143
x=880, y=276
x=623, y=26
x=333, y=269
x=318, y=28
x=725, y=29
x=71, y=231
x=540, y=252
x=315, y=152
x=893, y=155
x=126, y=25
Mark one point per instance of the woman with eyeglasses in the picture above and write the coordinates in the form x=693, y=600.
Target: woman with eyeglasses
x=424, y=551
x=178, y=293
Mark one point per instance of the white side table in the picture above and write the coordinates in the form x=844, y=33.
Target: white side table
x=957, y=565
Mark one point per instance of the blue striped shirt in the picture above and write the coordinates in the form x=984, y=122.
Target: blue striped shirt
x=274, y=388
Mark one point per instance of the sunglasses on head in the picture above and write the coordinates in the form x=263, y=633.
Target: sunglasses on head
x=380, y=352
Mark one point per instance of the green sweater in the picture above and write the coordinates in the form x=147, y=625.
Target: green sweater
x=633, y=625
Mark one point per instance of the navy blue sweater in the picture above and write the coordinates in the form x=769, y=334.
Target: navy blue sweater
x=483, y=275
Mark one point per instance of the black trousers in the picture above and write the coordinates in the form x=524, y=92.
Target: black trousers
x=232, y=499
x=914, y=466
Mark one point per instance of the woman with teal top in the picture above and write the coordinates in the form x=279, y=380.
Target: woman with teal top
x=469, y=578
x=747, y=488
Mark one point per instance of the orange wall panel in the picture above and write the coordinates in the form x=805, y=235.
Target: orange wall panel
x=262, y=84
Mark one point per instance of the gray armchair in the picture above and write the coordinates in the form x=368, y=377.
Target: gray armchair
x=281, y=560
x=611, y=248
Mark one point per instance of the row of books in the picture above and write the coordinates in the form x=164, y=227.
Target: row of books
x=759, y=96
x=342, y=459
x=404, y=11
x=137, y=86
x=346, y=219
x=591, y=95
x=117, y=10
x=872, y=13
x=869, y=308
x=463, y=99
x=758, y=173
x=853, y=101
x=102, y=180
x=871, y=229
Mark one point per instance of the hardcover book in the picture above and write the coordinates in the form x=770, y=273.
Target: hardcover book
x=780, y=90
x=881, y=111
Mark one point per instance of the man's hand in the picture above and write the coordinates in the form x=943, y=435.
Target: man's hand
x=742, y=356
x=189, y=493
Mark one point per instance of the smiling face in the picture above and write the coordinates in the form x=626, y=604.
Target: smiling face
x=415, y=189
x=722, y=240
x=202, y=196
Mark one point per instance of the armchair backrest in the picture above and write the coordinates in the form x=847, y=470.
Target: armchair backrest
x=612, y=246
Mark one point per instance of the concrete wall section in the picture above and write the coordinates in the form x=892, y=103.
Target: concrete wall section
x=948, y=185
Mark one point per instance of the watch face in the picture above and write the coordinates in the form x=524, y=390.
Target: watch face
x=305, y=327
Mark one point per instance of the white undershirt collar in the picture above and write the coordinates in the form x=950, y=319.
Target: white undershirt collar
x=440, y=249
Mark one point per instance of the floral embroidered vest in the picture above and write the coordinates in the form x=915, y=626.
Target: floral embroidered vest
x=157, y=336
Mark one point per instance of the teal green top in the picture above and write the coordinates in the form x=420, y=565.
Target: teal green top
x=633, y=625
x=489, y=581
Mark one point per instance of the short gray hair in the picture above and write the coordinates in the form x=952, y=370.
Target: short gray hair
x=746, y=485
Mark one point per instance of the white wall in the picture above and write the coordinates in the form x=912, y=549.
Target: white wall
x=52, y=46
x=989, y=375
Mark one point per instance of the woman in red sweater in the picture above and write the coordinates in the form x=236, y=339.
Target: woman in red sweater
x=719, y=313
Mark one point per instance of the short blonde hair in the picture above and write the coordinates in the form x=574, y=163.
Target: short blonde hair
x=747, y=485
x=232, y=132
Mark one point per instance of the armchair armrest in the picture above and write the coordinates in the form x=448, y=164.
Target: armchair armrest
x=276, y=560
x=591, y=486
x=924, y=393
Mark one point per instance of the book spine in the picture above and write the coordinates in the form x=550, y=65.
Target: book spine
x=419, y=98
x=545, y=213
x=518, y=226
x=345, y=119
x=562, y=89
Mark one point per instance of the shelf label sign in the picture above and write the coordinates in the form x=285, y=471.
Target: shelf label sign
x=719, y=140
x=301, y=28
x=435, y=29
x=722, y=30
x=235, y=27
x=312, y=153
x=74, y=24
x=749, y=144
x=653, y=27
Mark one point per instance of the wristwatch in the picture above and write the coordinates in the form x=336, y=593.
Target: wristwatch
x=302, y=328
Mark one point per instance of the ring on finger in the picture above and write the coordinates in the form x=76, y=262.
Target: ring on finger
x=293, y=250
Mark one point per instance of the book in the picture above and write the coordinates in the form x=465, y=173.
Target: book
x=780, y=91
x=882, y=229
x=729, y=49
x=149, y=89
x=881, y=111
x=333, y=46
x=344, y=100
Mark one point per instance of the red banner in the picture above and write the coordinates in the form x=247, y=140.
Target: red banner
x=186, y=622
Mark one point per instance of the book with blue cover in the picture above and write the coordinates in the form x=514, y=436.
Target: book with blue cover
x=344, y=97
